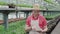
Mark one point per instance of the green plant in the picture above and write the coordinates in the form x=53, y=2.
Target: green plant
x=3, y=3
x=14, y=28
x=49, y=1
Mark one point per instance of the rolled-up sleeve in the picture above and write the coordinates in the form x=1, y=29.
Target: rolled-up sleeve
x=44, y=22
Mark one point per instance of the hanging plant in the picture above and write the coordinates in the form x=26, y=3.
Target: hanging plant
x=11, y=5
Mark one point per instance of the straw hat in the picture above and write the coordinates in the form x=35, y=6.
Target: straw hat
x=36, y=7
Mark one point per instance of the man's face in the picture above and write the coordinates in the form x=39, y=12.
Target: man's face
x=35, y=12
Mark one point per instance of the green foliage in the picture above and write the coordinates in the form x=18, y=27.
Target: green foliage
x=14, y=28
x=51, y=16
x=21, y=5
x=3, y=3
x=49, y=1
x=25, y=5
x=17, y=27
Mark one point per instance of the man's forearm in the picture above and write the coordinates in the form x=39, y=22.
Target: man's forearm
x=45, y=29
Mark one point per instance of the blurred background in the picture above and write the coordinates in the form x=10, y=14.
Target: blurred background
x=22, y=4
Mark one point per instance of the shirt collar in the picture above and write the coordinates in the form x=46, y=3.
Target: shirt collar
x=34, y=17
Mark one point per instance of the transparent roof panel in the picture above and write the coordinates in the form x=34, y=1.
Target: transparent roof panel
x=50, y=4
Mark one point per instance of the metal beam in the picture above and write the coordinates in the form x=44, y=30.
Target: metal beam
x=5, y=18
x=16, y=14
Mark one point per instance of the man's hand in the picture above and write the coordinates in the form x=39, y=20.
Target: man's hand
x=34, y=28
x=27, y=29
x=45, y=30
x=41, y=30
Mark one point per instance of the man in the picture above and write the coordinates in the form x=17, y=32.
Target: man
x=36, y=24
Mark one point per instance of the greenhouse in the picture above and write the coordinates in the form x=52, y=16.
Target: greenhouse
x=13, y=15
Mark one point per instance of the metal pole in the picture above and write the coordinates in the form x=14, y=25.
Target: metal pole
x=16, y=9
x=24, y=14
x=27, y=14
x=5, y=18
x=16, y=14
x=43, y=13
x=19, y=15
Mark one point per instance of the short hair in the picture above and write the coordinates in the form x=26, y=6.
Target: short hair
x=36, y=7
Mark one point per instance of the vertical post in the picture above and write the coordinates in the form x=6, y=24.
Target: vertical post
x=27, y=14
x=30, y=13
x=5, y=18
x=50, y=13
x=16, y=14
x=24, y=14
x=47, y=13
x=16, y=9
x=19, y=15
x=43, y=13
